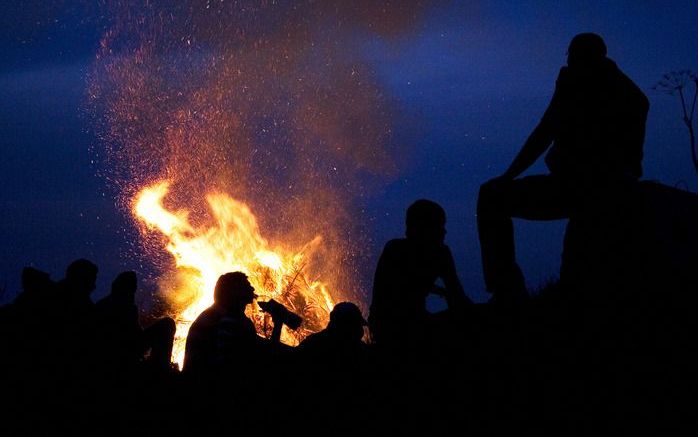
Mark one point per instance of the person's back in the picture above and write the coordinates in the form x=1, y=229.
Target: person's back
x=597, y=118
x=404, y=277
x=201, y=340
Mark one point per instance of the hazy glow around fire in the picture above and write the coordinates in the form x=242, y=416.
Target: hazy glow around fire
x=270, y=102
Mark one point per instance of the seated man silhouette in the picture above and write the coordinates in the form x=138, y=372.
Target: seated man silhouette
x=223, y=336
x=596, y=125
x=406, y=274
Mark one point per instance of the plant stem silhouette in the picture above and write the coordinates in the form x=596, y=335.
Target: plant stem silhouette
x=675, y=82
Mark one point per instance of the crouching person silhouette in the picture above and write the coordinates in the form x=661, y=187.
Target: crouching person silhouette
x=406, y=274
x=596, y=125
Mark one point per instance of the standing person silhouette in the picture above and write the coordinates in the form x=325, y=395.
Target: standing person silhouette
x=596, y=125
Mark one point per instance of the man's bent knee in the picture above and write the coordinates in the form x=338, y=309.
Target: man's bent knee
x=493, y=196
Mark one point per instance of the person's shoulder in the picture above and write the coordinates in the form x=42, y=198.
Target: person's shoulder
x=312, y=340
x=309, y=339
x=625, y=85
x=395, y=249
x=396, y=244
x=563, y=77
x=208, y=316
x=104, y=303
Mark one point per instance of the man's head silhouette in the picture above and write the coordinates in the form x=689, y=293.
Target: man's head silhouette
x=233, y=291
x=586, y=50
x=426, y=222
x=81, y=277
x=124, y=287
x=347, y=322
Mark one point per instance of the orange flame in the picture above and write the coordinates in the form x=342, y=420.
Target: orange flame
x=232, y=243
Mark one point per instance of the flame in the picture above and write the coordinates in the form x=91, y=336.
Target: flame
x=232, y=243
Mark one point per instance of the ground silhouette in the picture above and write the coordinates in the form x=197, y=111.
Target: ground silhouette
x=608, y=349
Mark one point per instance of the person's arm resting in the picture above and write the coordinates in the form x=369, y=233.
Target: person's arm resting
x=539, y=140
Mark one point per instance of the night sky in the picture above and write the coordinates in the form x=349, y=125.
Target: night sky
x=471, y=80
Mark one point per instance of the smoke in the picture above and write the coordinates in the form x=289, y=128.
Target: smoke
x=269, y=101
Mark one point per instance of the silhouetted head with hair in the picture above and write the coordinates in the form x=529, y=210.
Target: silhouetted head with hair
x=124, y=286
x=347, y=322
x=586, y=51
x=81, y=277
x=426, y=222
x=233, y=291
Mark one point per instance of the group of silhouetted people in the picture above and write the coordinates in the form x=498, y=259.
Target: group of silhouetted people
x=554, y=362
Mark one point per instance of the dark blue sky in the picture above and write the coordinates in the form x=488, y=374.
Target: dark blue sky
x=472, y=81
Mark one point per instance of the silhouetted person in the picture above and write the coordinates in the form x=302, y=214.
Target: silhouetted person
x=37, y=288
x=29, y=319
x=335, y=362
x=223, y=335
x=118, y=318
x=79, y=325
x=77, y=286
x=30, y=345
x=28, y=337
x=406, y=273
x=596, y=125
x=340, y=343
x=124, y=339
x=35, y=308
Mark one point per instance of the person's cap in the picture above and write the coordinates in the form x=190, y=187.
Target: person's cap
x=347, y=313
